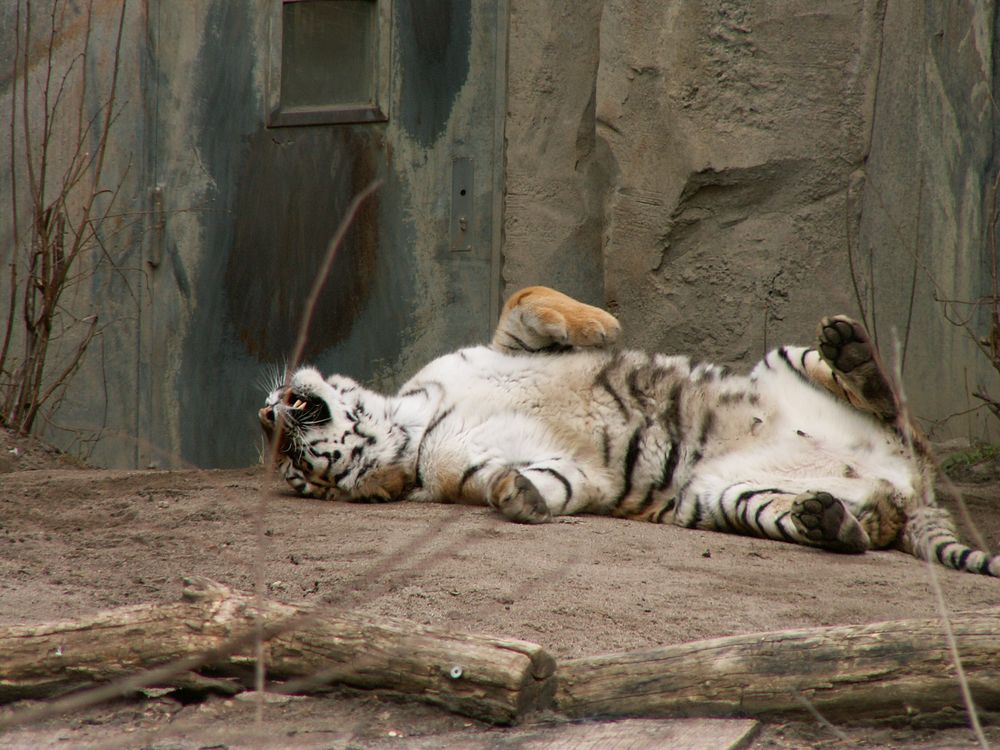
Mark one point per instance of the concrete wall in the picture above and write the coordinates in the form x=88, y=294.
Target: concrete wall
x=927, y=203
x=222, y=221
x=704, y=168
x=733, y=159
x=555, y=178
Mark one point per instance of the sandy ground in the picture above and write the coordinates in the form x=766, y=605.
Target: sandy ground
x=74, y=541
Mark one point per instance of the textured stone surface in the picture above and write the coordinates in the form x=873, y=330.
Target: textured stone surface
x=554, y=176
x=928, y=202
x=739, y=151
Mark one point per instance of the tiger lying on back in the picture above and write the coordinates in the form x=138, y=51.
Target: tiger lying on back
x=551, y=420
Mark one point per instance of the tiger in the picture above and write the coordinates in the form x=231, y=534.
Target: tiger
x=554, y=418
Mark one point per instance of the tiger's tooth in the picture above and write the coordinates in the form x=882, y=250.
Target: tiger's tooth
x=298, y=404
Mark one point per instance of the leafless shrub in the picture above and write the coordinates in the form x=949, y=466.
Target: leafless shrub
x=61, y=190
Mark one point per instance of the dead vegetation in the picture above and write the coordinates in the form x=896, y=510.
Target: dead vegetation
x=61, y=205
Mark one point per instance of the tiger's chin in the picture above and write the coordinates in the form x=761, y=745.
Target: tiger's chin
x=379, y=486
x=382, y=485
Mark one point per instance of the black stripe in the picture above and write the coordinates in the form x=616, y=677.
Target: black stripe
x=637, y=394
x=658, y=485
x=606, y=445
x=671, y=504
x=745, y=499
x=939, y=549
x=938, y=533
x=760, y=510
x=731, y=397
x=963, y=558
x=402, y=447
x=467, y=475
x=518, y=343
x=725, y=521
x=558, y=475
x=669, y=466
x=783, y=353
x=631, y=458
x=781, y=529
x=605, y=383
x=646, y=501
x=672, y=414
x=419, y=480
x=699, y=512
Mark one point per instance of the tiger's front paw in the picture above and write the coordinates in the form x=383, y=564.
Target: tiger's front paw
x=517, y=499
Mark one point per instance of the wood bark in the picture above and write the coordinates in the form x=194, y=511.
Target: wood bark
x=849, y=673
x=212, y=630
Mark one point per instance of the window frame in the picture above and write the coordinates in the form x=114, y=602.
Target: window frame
x=331, y=114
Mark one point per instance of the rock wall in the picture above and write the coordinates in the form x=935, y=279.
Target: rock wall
x=555, y=181
x=745, y=167
x=926, y=252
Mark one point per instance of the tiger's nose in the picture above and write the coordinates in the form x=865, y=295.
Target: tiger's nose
x=266, y=416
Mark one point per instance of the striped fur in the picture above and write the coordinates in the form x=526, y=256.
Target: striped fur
x=551, y=419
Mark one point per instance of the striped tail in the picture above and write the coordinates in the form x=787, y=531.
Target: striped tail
x=930, y=535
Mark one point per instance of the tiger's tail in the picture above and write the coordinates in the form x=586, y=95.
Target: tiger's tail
x=930, y=535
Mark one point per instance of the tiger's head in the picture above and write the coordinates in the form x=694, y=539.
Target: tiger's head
x=334, y=439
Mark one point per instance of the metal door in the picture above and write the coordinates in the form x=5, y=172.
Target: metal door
x=267, y=118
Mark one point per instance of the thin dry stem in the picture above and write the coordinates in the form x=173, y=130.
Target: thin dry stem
x=912, y=440
x=308, y=311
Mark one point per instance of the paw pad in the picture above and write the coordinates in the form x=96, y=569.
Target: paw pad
x=826, y=522
x=844, y=343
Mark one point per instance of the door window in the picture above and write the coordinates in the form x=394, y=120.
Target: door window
x=328, y=62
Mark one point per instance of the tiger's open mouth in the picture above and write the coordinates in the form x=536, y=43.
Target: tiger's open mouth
x=298, y=413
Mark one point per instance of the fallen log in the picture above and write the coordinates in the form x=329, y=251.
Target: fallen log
x=212, y=630
x=845, y=673
x=881, y=671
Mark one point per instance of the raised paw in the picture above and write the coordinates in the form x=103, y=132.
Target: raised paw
x=540, y=318
x=844, y=345
x=826, y=522
x=517, y=499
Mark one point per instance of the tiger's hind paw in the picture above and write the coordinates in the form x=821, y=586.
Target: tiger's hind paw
x=517, y=499
x=540, y=318
x=845, y=346
x=844, y=343
x=825, y=521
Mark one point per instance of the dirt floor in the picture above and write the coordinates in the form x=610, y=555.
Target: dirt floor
x=74, y=541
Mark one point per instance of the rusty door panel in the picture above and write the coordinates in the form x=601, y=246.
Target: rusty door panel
x=248, y=211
